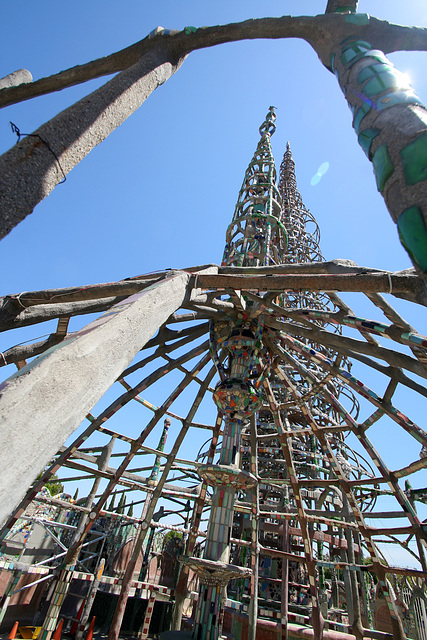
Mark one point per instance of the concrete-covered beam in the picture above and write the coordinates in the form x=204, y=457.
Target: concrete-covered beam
x=16, y=78
x=36, y=164
x=43, y=403
x=400, y=284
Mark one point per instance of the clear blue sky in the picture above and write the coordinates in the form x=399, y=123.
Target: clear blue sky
x=160, y=191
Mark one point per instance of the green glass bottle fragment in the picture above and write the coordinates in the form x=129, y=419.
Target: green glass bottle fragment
x=413, y=236
x=414, y=160
x=354, y=49
x=383, y=166
x=366, y=138
x=362, y=111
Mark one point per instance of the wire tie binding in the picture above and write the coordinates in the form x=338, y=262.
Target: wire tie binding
x=18, y=299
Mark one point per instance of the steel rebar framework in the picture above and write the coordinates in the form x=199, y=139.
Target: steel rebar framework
x=300, y=493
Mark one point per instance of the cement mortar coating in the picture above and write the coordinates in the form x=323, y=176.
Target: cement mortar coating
x=21, y=76
x=398, y=126
x=43, y=403
x=30, y=170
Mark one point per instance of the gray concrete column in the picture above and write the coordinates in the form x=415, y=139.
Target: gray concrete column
x=43, y=403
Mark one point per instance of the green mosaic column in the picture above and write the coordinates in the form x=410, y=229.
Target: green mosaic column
x=58, y=597
x=391, y=124
x=237, y=399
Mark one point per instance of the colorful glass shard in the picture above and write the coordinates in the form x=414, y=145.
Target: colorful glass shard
x=414, y=160
x=383, y=166
x=413, y=235
x=366, y=138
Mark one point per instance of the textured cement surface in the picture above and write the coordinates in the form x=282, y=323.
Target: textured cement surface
x=21, y=76
x=30, y=169
x=43, y=403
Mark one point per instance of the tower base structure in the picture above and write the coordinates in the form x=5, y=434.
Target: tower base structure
x=288, y=469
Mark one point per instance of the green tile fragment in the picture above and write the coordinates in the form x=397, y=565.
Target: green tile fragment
x=362, y=111
x=414, y=160
x=396, y=97
x=379, y=84
x=353, y=50
x=383, y=166
x=375, y=54
x=413, y=235
x=372, y=70
x=366, y=138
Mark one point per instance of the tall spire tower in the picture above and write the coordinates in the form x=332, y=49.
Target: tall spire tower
x=271, y=226
x=258, y=400
x=256, y=237
x=301, y=227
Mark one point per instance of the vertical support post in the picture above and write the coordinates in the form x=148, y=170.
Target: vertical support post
x=237, y=399
x=89, y=601
x=148, y=614
x=347, y=583
x=145, y=561
x=58, y=597
x=182, y=583
x=211, y=600
x=253, y=607
x=365, y=602
x=65, y=577
x=350, y=577
x=127, y=579
x=284, y=605
x=356, y=626
x=152, y=481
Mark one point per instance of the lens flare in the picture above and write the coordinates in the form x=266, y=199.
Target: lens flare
x=323, y=168
x=319, y=173
x=405, y=80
